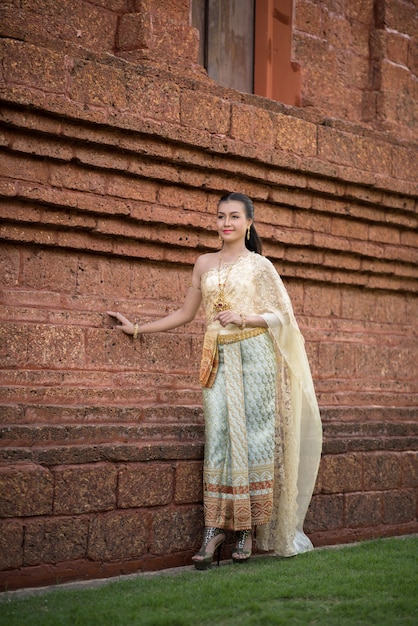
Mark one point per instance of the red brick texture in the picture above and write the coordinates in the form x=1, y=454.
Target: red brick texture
x=115, y=147
x=359, y=61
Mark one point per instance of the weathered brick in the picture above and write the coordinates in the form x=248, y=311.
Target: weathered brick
x=11, y=544
x=401, y=16
x=101, y=85
x=26, y=64
x=205, y=111
x=53, y=540
x=25, y=490
x=325, y=513
x=399, y=507
x=409, y=463
x=129, y=187
x=295, y=135
x=177, y=530
x=18, y=167
x=105, y=277
x=9, y=265
x=84, y=489
x=46, y=269
x=63, y=346
x=249, y=124
x=341, y=473
x=77, y=177
x=188, y=486
x=322, y=301
x=134, y=31
x=397, y=47
x=118, y=535
x=336, y=359
x=363, y=509
x=149, y=97
x=145, y=484
x=308, y=17
x=185, y=198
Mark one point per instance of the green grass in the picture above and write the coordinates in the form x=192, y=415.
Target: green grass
x=374, y=582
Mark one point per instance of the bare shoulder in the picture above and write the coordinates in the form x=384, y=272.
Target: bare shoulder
x=206, y=262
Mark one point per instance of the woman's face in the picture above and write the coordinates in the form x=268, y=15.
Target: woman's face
x=231, y=221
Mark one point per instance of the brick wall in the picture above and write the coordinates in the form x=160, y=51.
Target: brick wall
x=114, y=151
x=359, y=61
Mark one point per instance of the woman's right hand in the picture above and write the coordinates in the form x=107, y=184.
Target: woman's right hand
x=125, y=325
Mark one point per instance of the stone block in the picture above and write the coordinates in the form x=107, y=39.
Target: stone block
x=363, y=509
x=50, y=540
x=295, y=135
x=188, y=485
x=78, y=177
x=9, y=265
x=359, y=11
x=20, y=167
x=308, y=18
x=205, y=111
x=401, y=17
x=99, y=85
x=25, y=490
x=132, y=188
x=103, y=276
x=184, y=198
x=44, y=269
x=177, y=530
x=33, y=66
x=399, y=507
x=404, y=159
x=349, y=228
x=145, y=484
x=11, y=544
x=385, y=234
x=322, y=301
x=61, y=345
x=325, y=513
x=40, y=146
x=151, y=97
x=336, y=359
x=84, y=489
x=134, y=31
x=341, y=473
x=397, y=47
x=409, y=464
x=336, y=30
x=252, y=125
x=118, y=535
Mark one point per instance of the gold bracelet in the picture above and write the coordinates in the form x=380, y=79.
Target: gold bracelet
x=136, y=331
x=243, y=322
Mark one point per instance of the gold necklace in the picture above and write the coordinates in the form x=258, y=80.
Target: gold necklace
x=221, y=303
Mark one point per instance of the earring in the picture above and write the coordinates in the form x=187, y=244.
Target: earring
x=248, y=232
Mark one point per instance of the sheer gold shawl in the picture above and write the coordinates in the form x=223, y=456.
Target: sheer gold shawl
x=254, y=287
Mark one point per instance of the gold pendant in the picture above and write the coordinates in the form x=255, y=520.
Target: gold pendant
x=220, y=303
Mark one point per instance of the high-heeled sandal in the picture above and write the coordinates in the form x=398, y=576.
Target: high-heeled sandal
x=217, y=537
x=239, y=547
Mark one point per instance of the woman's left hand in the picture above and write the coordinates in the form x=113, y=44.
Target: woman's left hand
x=228, y=317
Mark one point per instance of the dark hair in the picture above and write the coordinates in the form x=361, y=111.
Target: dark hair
x=254, y=242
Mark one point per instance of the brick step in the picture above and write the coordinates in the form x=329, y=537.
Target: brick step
x=29, y=413
x=111, y=395
x=47, y=445
x=29, y=434
x=53, y=453
x=40, y=434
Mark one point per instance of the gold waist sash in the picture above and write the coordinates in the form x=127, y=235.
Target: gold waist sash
x=210, y=357
x=241, y=335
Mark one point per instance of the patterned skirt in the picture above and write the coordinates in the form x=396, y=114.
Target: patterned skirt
x=240, y=435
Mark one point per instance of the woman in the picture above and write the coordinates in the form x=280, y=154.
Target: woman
x=263, y=431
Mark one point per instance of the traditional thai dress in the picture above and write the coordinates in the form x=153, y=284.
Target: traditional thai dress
x=262, y=423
